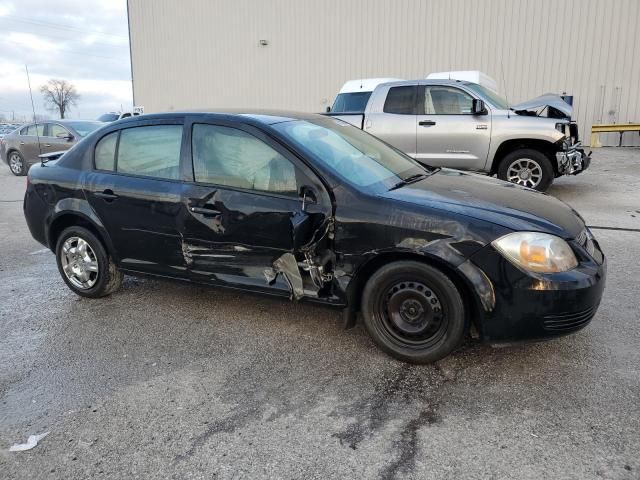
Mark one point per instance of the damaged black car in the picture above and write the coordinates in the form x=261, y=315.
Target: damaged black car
x=310, y=208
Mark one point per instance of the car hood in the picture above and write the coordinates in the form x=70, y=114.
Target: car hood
x=548, y=99
x=492, y=200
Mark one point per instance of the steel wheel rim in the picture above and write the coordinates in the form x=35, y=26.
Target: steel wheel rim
x=412, y=314
x=79, y=263
x=526, y=172
x=15, y=164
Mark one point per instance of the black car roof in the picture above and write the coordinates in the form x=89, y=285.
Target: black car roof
x=265, y=117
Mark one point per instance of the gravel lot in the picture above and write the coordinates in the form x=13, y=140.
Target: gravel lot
x=168, y=380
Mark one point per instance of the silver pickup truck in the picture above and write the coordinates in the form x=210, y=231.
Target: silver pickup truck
x=464, y=125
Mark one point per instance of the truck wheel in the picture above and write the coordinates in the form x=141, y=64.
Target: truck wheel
x=85, y=265
x=528, y=168
x=413, y=312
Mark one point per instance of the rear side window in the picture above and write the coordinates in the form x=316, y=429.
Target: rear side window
x=401, y=100
x=150, y=151
x=105, y=156
x=34, y=130
x=235, y=158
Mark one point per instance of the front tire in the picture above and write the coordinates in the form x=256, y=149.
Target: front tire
x=17, y=164
x=414, y=312
x=85, y=265
x=528, y=168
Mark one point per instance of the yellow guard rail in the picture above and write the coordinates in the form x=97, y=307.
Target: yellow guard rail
x=597, y=129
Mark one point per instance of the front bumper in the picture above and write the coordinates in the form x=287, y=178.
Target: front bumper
x=573, y=160
x=538, y=306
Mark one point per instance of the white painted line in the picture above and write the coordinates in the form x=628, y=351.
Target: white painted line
x=43, y=250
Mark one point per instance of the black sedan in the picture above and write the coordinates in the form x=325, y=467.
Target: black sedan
x=310, y=208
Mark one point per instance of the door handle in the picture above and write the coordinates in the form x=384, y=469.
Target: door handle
x=21, y=143
x=210, y=212
x=47, y=144
x=107, y=195
x=425, y=123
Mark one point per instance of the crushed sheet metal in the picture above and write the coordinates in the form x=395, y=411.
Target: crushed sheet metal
x=481, y=284
x=270, y=275
x=287, y=265
x=32, y=441
x=326, y=228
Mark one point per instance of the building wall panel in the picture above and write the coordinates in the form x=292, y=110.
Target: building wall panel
x=206, y=53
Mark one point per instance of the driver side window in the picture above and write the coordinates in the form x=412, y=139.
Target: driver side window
x=232, y=157
x=441, y=100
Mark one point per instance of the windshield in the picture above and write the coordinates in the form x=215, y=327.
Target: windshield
x=489, y=96
x=351, y=102
x=357, y=157
x=84, y=128
x=108, y=117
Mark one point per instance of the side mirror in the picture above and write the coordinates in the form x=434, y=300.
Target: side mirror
x=328, y=109
x=478, y=107
x=66, y=136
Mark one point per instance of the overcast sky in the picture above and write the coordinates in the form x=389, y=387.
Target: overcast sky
x=83, y=41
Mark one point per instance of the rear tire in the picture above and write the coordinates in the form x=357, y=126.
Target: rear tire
x=17, y=164
x=528, y=168
x=413, y=312
x=85, y=265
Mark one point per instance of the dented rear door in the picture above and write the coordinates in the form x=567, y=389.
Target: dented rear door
x=246, y=220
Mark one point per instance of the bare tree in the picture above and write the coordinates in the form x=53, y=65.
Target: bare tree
x=59, y=95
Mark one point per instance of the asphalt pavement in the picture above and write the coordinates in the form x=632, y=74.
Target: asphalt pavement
x=170, y=380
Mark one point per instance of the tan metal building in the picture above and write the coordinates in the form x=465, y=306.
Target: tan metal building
x=296, y=54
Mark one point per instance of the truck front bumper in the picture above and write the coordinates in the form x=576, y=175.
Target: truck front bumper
x=573, y=160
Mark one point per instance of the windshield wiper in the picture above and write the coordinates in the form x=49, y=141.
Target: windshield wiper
x=408, y=180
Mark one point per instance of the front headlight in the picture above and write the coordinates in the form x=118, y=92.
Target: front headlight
x=537, y=252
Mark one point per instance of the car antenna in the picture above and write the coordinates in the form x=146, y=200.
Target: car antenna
x=33, y=108
x=504, y=83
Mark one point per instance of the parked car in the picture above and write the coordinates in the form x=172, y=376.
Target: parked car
x=6, y=129
x=308, y=207
x=465, y=125
x=20, y=148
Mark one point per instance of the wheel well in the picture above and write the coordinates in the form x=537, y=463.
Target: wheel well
x=356, y=287
x=70, y=220
x=509, y=146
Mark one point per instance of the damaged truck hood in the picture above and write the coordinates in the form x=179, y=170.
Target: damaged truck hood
x=546, y=100
x=492, y=200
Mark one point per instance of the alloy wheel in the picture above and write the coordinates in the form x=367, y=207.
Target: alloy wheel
x=526, y=172
x=15, y=164
x=79, y=263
